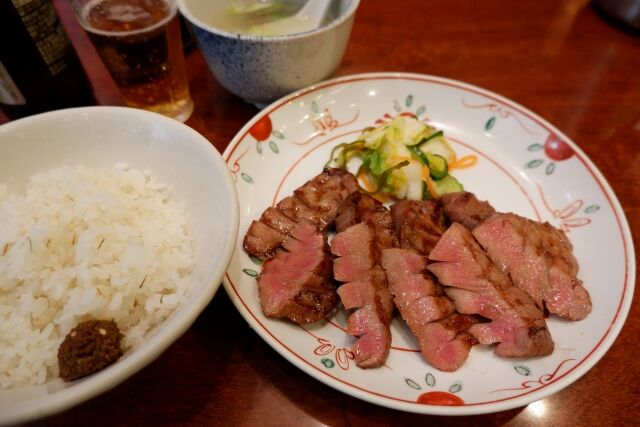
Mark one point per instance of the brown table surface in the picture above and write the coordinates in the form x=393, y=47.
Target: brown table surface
x=558, y=57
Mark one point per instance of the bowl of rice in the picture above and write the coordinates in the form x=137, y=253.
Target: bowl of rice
x=108, y=214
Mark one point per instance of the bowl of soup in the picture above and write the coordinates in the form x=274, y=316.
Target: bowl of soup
x=261, y=68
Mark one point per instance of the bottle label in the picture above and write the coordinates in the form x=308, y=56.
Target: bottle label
x=43, y=25
x=9, y=92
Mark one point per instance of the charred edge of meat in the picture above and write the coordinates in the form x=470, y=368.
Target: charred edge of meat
x=304, y=295
x=470, y=339
x=459, y=322
x=418, y=225
x=348, y=213
x=464, y=207
x=315, y=305
x=535, y=331
x=266, y=235
x=261, y=240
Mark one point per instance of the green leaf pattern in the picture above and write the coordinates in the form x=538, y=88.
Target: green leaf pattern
x=430, y=379
x=250, y=272
x=411, y=383
x=550, y=168
x=274, y=146
x=490, y=124
x=455, y=387
x=534, y=163
x=328, y=363
x=591, y=209
x=409, y=101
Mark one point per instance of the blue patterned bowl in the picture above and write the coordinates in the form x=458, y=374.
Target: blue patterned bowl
x=261, y=69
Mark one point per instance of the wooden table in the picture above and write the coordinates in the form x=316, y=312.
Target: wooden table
x=557, y=57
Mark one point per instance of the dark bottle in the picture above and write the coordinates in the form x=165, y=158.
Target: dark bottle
x=39, y=70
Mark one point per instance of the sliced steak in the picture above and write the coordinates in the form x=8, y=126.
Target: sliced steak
x=444, y=343
x=354, y=251
x=275, y=219
x=357, y=249
x=479, y=287
x=417, y=295
x=296, y=209
x=297, y=283
x=355, y=294
x=316, y=202
x=370, y=321
x=465, y=208
x=538, y=258
x=360, y=207
x=348, y=213
x=326, y=192
x=261, y=240
x=429, y=313
x=418, y=224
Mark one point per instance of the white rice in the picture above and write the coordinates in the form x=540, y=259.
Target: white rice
x=104, y=243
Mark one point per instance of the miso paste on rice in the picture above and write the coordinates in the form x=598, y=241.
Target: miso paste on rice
x=81, y=243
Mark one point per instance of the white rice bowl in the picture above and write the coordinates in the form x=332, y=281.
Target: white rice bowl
x=108, y=213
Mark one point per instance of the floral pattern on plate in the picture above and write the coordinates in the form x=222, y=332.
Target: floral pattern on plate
x=513, y=158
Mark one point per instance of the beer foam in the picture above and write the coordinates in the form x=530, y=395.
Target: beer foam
x=127, y=13
x=129, y=16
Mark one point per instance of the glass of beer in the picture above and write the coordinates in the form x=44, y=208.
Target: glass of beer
x=139, y=42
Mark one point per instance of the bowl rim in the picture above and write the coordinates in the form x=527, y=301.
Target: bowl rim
x=347, y=15
x=108, y=378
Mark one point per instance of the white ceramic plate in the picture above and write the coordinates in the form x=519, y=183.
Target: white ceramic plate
x=524, y=165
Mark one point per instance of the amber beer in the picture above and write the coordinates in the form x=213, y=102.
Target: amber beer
x=139, y=41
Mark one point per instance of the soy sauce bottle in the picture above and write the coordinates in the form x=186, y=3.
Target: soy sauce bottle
x=39, y=70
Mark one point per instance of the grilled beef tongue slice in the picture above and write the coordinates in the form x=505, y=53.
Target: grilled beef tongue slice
x=465, y=208
x=538, y=258
x=418, y=224
x=428, y=312
x=477, y=286
x=316, y=202
x=370, y=320
x=297, y=283
x=366, y=230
